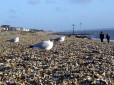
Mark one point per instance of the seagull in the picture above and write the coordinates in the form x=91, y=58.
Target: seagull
x=60, y=39
x=46, y=45
x=16, y=39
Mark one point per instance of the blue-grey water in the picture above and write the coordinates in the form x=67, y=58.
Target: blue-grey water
x=94, y=34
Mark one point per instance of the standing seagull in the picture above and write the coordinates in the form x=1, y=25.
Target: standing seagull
x=16, y=39
x=46, y=45
x=60, y=39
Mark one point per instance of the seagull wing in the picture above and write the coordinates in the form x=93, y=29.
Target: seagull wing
x=57, y=39
x=41, y=45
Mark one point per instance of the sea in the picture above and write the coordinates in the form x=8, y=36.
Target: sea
x=94, y=34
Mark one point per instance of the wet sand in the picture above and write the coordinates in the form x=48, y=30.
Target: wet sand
x=75, y=61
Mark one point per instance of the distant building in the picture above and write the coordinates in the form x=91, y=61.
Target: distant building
x=25, y=29
x=12, y=29
x=9, y=28
x=6, y=27
x=2, y=28
x=22, y=29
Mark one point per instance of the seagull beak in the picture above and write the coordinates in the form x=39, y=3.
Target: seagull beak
x=31, y=46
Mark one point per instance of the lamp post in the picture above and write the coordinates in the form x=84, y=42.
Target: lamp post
x=73, y=28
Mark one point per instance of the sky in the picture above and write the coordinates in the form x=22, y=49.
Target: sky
x=57, y=15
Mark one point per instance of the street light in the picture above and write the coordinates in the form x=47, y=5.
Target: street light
x=73, y=28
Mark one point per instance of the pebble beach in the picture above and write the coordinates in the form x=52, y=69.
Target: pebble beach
x=76, y=61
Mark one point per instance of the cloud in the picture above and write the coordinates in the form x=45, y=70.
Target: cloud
x=34, y=2
x=12, y=11
x=60, y=9
x=7, y=22
x=80, y=1
x=50, y=1
x=12, y=17
x=12, y=14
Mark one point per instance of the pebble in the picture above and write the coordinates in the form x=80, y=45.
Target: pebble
x=75, y=61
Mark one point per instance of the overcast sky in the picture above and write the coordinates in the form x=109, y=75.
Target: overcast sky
x=57, y=15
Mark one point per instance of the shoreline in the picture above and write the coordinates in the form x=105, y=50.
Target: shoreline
x=83, y=35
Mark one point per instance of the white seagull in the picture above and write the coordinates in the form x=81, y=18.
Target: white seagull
x=60, y=39
x=16, y=39
x=46, y=45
